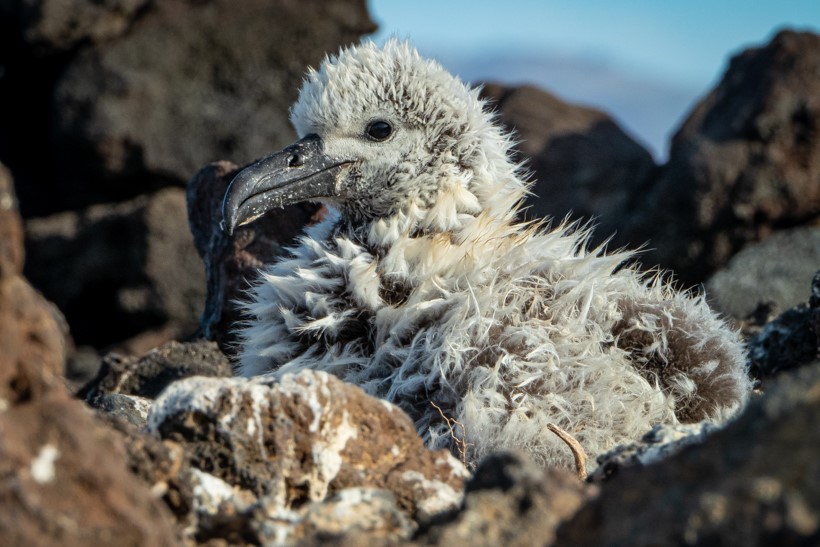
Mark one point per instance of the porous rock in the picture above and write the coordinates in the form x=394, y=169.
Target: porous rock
x=756, y=482
x=790, y=340
x=509, y=501
x=66, y=482
x=233, y=261
x=353, y=516
x=148, y=375
x=131, y=408
x=744, y=163
x=583, y=163
x=659, y=443
x=301, y=440
x=117, y=270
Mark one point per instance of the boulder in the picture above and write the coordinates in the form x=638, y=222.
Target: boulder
x=118, y=270
x=191, y=83
x=744, y=163
x=774, y=272
x=266, y=453
x=509, y=501
x=756, y=482
x=32, y=331
x=584, y=164
x=56, y=26
x=66, y=481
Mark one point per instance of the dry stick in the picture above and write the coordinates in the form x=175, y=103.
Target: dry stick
x=460, y=443
x=577, y=450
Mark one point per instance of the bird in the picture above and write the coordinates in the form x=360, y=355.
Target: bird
x=422, y=286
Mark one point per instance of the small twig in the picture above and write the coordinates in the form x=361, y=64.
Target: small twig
x=576, y=448
x=460, y=443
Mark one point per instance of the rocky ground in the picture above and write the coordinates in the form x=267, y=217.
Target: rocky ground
x=120, y=422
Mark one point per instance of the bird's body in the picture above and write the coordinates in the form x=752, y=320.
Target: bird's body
x=425, y=290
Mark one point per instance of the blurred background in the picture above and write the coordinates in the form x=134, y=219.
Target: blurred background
x=643, y=61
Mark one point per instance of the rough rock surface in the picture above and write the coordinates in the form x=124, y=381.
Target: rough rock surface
x=191, y=83
x=232, y=261
x=509, y=501
x=773, y=272
x=661, y=442
x=757, y=482
x=32, y=331
x=583, y=163
x=64, y=475
x=52, y=26
x=118, y=270
x=789, y=341
x=66, y=482
x=745, y=162
x=274, y=447
x=148, y=375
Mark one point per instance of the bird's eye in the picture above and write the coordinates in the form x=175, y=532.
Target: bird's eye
x=379, y=130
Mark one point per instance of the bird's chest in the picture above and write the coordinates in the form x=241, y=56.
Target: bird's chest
x=353, y=304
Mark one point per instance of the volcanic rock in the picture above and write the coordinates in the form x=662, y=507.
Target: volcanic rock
x=117, y=270
x=32, y=331
x=585, y=166
x=756, y=482
x=299, y=441
x=510, y=501
x=774, y=272
x=148, y=375
x=790, y=340
x=746, y=162
x=51, y=26
x=65, y=481
x=191, y=83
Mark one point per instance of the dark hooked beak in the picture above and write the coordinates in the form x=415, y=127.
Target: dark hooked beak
x=300, y=172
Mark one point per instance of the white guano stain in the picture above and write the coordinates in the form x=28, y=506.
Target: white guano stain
x=42, y=467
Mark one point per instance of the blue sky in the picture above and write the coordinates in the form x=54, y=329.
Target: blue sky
x=643, y=61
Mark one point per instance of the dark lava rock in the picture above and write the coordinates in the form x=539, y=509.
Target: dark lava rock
x=231, y=262
x=509, y=501
x=120, y=269
x=774, y=272
x=745, y=162
x=131, y=408
x=757, y=482
x=51, y=26
x=191, y=83
x=791, y=340
x=584, y=164
x=148, y=375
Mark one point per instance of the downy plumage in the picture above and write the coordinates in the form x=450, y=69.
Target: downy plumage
x=424, y=289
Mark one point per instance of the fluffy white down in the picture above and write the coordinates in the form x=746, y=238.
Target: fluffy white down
x=506, y=327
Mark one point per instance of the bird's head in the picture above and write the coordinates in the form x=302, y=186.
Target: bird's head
x=383, y=132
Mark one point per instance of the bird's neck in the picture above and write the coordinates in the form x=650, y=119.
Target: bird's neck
x=422, y=243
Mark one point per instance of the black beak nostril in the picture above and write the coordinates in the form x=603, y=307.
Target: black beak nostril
x=295, y=160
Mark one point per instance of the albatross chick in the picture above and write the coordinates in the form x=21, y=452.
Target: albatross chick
x=424, y=289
